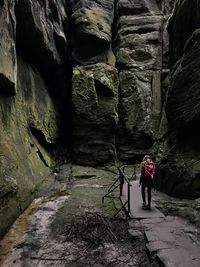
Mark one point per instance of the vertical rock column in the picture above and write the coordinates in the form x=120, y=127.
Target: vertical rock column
x=32, y=49
x=94, y=82
x=138, y=50
x=8, y=61
x=179, y=172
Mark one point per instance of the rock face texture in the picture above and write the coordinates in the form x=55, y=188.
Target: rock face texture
x=8, y=61
x=95, y=100
x=138, y=49
x=94, y=82
x=127, y=35
x=106, y=80
x=32, y=47
x=179, y=173
x=91, y=30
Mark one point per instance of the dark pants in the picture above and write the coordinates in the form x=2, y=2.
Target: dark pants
x=146, y=184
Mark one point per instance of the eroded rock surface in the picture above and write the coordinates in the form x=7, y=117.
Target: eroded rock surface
x=139, y=58
x=97, y=77
x=95, y=99
x=179, y=170
x=133, y=31
x=8, y=60
x=43, y=23
x=32, y=47
x=91, y=30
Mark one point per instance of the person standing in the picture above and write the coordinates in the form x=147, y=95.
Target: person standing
x=146, y=180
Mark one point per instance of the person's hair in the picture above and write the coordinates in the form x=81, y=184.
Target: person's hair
x=146, y=157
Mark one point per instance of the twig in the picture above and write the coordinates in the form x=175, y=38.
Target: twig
x=50, y=259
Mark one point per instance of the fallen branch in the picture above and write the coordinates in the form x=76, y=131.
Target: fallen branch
x=50, y=259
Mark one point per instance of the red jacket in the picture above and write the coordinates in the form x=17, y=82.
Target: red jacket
x=149, y=170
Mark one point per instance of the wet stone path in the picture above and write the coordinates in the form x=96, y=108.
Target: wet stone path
x=73, y=228
x=170, y=240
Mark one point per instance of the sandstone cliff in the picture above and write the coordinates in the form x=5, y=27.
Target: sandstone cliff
x=119, y=57
x=179, y=172
x=33, y=49
x=103, y=80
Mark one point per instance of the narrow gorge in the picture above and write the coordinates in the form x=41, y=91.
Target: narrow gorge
x=97, y=83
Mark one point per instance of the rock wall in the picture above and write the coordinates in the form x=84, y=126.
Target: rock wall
x=179, y=172
x=33, y=49
x=103, y=78
x=126, y=38
x=138, y=49
x=94, y=81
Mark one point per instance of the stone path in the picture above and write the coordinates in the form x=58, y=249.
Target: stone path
x=39, y=236
x=171, y=240
x=136, y=203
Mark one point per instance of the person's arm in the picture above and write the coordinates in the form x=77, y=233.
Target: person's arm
x=142, y=173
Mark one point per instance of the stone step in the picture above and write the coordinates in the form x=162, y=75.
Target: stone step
x=169, y=241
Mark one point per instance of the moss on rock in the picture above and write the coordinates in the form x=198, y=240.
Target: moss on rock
x=95, y=103
x=28, y=128
x=135, y=128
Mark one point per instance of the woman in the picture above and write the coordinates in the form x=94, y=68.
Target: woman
x=146, y=180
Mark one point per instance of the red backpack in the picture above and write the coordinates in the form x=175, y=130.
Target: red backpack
x=149, y=170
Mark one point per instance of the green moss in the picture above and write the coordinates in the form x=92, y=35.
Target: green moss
x=84, y=96
x=128, y=83
x=8, y=187
x=32, y=106
x=129, y=104
x=84, y=198
x=135, y=107
x=123, y=56
x=111, y=58
x=93, y=175
x=95, y=93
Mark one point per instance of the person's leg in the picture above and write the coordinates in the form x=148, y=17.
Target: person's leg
x=143, y=194
x=149, y=195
